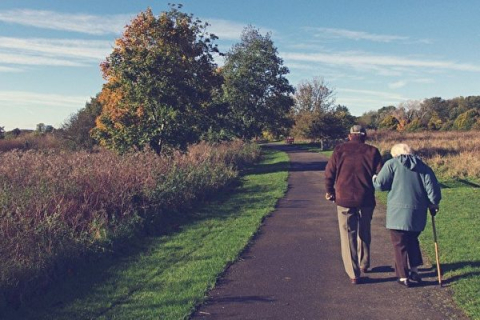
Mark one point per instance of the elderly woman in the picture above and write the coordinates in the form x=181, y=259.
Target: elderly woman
x=413, y=188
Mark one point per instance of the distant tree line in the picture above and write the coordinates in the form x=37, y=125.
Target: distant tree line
x=460, y=113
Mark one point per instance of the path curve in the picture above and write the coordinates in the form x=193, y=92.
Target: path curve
x=293, y=269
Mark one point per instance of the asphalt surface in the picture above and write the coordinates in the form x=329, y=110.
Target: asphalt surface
x=293, y=268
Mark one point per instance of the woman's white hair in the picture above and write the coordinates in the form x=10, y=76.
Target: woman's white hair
x=399, y=149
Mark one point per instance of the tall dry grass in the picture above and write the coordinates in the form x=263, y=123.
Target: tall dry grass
x=55, y=206
x=33, y=141
x=451, y=154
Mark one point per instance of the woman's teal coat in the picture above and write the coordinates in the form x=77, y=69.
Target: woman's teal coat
x=412, y=187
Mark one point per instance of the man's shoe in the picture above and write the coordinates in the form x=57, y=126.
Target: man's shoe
x=405, y=282
x=356, y=280
x=414, y=276
x=364, y=270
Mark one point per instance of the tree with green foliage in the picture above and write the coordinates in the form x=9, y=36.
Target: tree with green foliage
x=40, y=128
x=434, y=105
x=16, y=132
x=160, y=78
x=435, y=123
x=389, y=123
x=328, y=125
x=473, y=102
x=414, y=125
x=2, y=132
x=255, y=87
x=313, y=98
x=466, y=120
x=372, y=119
x=78, y=127
x=369, y=119
x=344, y=116
x=316, y=116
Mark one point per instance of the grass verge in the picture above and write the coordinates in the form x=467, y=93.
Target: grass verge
x=457, y=224
x=165, y=277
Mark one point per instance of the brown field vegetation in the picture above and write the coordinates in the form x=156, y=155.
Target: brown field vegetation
x=451, y=154
x=57, y=205
x=32, y=141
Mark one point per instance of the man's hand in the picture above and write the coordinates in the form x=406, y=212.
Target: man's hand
x=330, y=196
x=433, y=208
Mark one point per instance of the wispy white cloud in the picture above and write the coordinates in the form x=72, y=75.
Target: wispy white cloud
x=83, y=23
x=403, y=83
x=10, y=69
x=51, y=52
x=363, y=60
x=373, y=93
x=356, y=35
x=358, y=101
x=85, y=49
x=224, y=29
x=31, y=59
x=423, y=80
x=27, y=99
x=397, y=84
x=101, y=24
x=340, y=34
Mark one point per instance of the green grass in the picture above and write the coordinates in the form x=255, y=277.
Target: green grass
x=458, y=236
x=166, y=277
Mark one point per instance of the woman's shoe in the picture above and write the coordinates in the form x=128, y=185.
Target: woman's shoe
x=414, y=276
x=405, y=282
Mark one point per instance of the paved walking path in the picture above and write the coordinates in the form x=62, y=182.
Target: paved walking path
x=293, y=269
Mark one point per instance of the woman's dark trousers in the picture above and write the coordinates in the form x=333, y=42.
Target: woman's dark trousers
x=407, y=251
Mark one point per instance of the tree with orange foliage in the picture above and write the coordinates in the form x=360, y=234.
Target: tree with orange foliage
x=160, y=77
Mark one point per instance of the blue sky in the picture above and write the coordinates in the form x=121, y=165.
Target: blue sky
x=373, y=53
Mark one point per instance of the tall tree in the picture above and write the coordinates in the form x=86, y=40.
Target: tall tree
x=466, y=120
x=255, y=87
x=314, y=96
x=431, y=107
x=79, y=126
x=160, y=76
x=316, y=116
x=407, y=112
x=40, y=128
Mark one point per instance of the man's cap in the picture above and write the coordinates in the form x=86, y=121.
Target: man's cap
x=358, y=129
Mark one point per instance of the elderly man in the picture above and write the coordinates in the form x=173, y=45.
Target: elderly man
x=348, y=182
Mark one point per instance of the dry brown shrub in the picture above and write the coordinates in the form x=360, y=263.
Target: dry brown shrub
x=55, y=204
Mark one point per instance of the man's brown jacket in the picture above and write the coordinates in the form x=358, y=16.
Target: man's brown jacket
x=349, y=172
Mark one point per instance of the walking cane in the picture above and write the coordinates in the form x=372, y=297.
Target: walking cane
x=439, y=272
